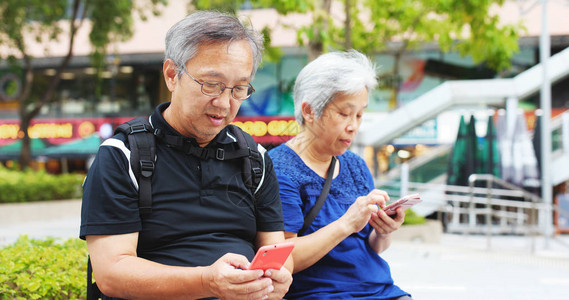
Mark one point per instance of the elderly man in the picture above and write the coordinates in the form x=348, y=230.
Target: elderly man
x=205, y=224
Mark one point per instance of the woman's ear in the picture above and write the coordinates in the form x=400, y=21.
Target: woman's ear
x=307, y=112
x=170, y=74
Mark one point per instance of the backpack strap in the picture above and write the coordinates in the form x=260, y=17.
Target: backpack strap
x=254, y=162
x=248, y=150
x=142, y=155
x=142, y=143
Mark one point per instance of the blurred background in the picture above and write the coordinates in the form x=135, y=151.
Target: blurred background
x=467, y=113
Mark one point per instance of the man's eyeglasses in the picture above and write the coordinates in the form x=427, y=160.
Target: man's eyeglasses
x=216, y=88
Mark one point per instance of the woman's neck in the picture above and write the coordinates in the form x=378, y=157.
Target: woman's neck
x=307, y=149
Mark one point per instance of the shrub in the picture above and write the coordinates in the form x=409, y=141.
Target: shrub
x=28, y=186
x=412, y=218
x=43, y=269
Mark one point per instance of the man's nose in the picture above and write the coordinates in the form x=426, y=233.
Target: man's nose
x=223, y=100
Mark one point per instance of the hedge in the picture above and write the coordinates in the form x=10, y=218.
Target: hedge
x=412, y=218
x=28, y=186
x=43, y=269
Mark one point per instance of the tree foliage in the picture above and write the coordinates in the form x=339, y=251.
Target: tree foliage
x=47, y=21
x=468, y=26
x=370, y=26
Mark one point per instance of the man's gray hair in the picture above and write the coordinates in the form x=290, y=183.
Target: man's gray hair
x=329, y=75
x=209, y=27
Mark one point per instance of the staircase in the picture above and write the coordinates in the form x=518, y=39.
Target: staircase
x=459, y=93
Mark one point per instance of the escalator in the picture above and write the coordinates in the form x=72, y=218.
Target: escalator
x=427, y=173
x=451, y=94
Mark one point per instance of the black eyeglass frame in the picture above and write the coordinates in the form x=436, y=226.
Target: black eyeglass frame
x=222, y=87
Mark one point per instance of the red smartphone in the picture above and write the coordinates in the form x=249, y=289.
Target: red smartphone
x=271, y=256
x=404, y=202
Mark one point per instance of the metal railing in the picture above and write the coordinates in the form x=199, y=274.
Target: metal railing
x=489, y=205
x=517, y=215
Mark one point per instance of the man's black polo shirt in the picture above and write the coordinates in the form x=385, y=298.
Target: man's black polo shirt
x=201, y=209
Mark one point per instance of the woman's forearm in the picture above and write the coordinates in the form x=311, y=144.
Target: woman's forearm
x=311, y=248
x=379, y=242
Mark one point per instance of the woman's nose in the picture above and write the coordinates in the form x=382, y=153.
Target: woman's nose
x=352, y=124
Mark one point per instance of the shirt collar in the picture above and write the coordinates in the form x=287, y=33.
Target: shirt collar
x=157, y=120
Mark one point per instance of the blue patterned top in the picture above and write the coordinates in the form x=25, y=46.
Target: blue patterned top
x=352, y=269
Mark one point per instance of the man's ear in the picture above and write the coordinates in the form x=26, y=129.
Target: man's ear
x=170, y=74
x=307, y=112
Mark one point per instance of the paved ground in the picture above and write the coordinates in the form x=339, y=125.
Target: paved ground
x=458, y=267
x=65, y=228
x=39, y=219
x=461, y=267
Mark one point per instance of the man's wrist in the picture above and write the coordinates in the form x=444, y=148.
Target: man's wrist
x=204, y=280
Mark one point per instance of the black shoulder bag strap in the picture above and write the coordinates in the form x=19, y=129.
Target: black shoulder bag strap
x=318, y=205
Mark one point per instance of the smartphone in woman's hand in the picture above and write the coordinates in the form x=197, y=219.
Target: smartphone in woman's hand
x=404, y=202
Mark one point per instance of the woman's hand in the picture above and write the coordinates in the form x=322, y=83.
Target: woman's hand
x=384, y=224
x=363, y=209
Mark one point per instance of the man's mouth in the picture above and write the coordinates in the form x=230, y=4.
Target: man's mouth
x=216, y=120
x=216, y=117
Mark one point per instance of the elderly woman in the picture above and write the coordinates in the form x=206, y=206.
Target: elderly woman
x=337, y=255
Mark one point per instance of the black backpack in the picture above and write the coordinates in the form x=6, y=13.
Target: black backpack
x=142, y=141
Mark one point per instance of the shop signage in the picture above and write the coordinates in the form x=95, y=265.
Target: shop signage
x=266, y=130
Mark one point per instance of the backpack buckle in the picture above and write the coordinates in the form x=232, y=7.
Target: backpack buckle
x=137, y=128
x=220, y=154
x=146, y=168
x=257, y=172
x=254, y=154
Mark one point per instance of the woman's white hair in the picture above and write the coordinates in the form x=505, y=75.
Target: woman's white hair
x=329, y=75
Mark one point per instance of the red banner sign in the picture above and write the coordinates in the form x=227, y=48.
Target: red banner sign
x=265, y=130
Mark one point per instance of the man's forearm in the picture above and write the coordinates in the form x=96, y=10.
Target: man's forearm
x=137, y=278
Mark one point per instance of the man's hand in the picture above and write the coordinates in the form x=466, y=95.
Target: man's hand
x=228, y=278
x=281, y=281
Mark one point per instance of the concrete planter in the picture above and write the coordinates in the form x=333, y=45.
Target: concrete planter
x=16, y=213
x=19, y=213
x=429, y=232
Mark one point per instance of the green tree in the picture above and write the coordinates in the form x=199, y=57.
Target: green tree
x=45, y=21
x=370, y=25
x=467, y=26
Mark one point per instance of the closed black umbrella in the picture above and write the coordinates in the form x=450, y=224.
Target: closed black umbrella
x=536, y=140
x=489, y=154
x=473, y=153
x=457, y=162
